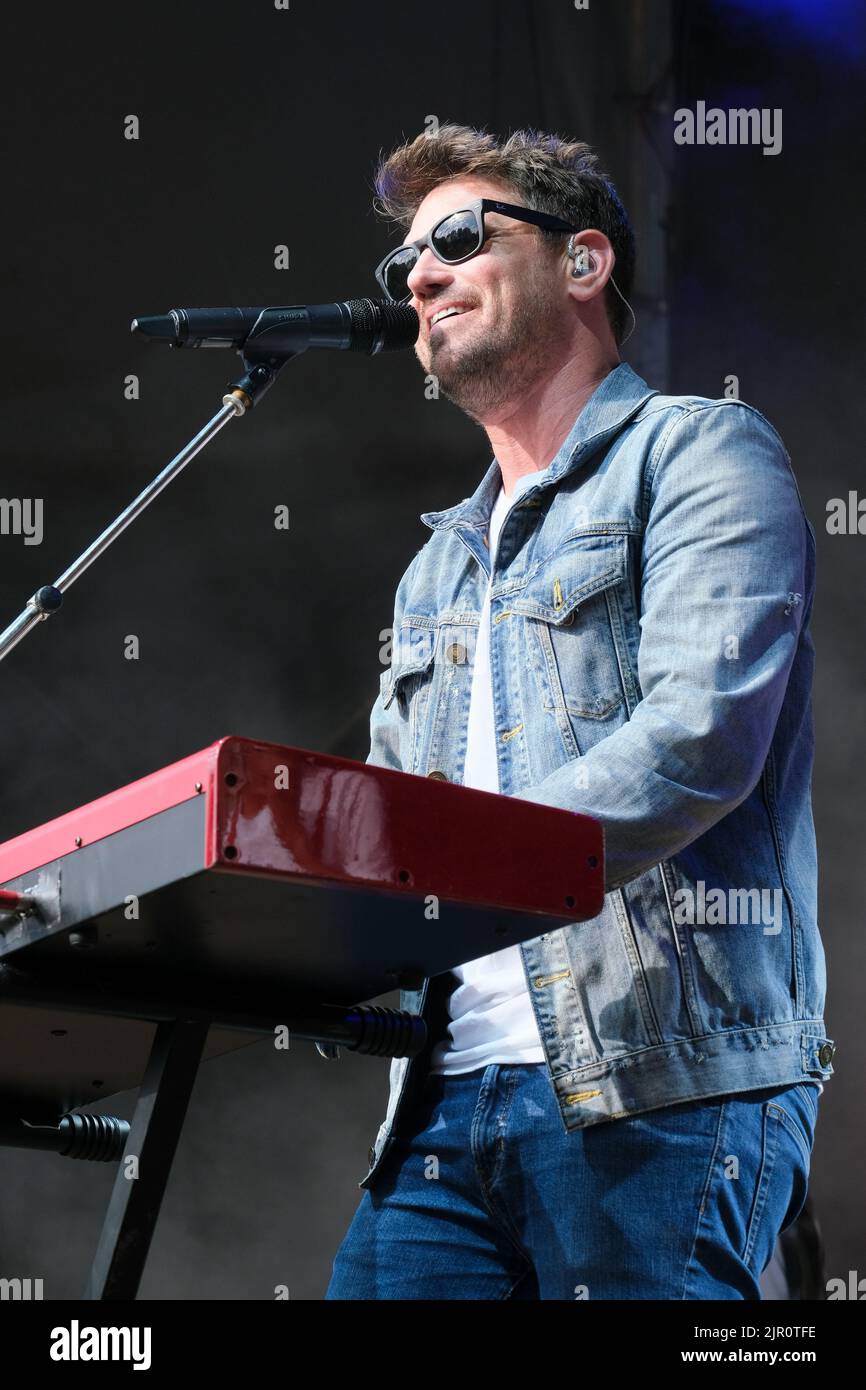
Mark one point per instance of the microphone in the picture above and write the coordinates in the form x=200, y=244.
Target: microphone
x=356, y=325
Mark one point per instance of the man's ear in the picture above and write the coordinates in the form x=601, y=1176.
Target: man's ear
x=590, y=260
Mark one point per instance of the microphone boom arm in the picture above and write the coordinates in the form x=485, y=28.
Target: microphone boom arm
x=265, y=339
x=262, y=367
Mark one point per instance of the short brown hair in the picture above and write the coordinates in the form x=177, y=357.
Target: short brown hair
x=547, y=173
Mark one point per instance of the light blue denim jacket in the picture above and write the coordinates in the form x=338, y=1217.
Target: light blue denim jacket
x=651, y=666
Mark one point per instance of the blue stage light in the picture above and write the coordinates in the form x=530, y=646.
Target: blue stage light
x=831, y=24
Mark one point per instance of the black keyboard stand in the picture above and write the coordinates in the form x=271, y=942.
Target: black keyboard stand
x=145, y=1148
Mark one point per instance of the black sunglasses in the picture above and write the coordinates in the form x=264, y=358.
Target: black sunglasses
x=455, y=238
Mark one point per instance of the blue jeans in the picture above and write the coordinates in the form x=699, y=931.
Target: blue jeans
x=484, y=1195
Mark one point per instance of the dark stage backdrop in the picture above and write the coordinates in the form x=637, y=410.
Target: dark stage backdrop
x=258, y=127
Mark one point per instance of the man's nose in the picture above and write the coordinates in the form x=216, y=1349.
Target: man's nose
x=427, y=273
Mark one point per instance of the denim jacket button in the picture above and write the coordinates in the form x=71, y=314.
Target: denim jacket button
x=456, y=653
x=439, y=776
x=825, y=1056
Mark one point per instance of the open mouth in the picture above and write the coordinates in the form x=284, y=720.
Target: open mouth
x=448, y=317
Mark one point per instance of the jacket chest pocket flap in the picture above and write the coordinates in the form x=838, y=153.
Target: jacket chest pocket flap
x=412, y=658
x=573, y=601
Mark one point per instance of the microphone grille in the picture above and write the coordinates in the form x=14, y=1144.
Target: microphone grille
x=377, y=325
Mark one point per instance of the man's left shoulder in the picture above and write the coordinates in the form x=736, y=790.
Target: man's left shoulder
x=689, y=417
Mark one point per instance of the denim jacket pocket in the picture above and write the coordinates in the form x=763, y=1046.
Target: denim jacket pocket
x=407, y=682
x=402, y=682
x=575, y=632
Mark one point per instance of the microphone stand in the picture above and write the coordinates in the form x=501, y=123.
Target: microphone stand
x=261, y=372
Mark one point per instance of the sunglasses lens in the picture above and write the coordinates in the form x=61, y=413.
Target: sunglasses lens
x=457, y=236
x=397, y=272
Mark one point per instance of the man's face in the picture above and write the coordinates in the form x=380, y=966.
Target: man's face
x=513, y=299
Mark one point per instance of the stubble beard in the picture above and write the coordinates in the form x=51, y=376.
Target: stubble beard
x=490, y=371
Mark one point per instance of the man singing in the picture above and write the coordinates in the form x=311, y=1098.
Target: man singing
x=616, y=623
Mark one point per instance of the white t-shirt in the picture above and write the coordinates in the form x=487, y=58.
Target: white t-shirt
x=492, y=1019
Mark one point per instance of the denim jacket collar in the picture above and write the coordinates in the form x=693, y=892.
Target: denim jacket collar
x=612, y=404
